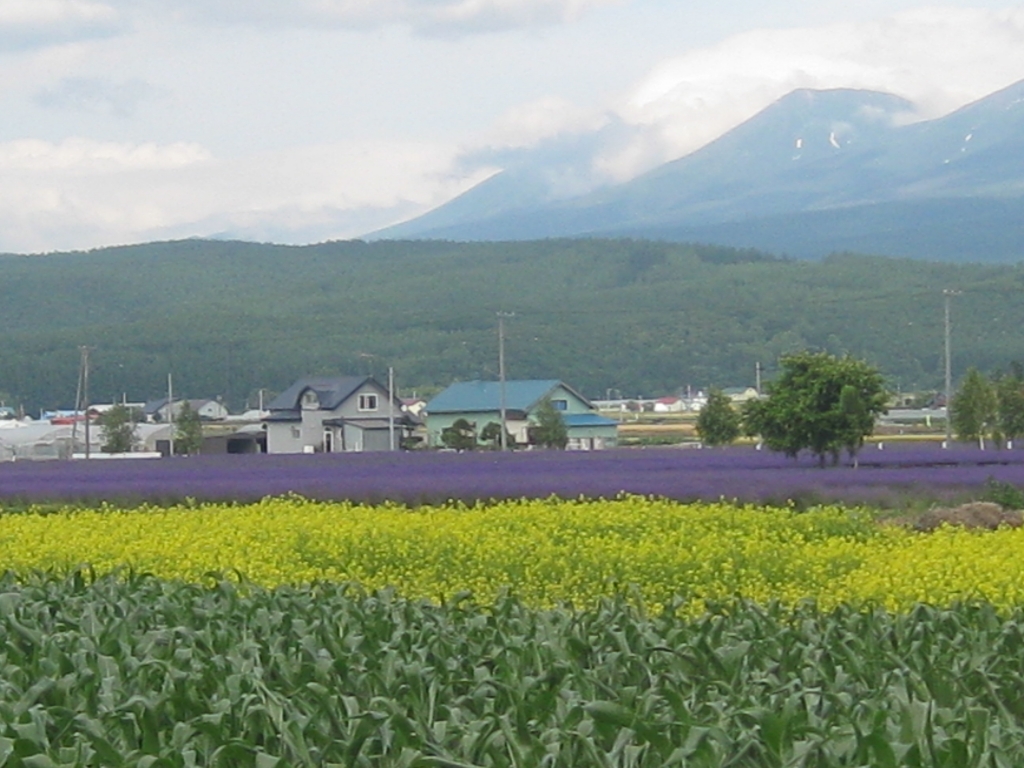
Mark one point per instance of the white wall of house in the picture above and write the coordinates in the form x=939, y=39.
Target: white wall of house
x=284, y=437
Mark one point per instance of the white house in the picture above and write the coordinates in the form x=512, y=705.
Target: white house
x=669, y=405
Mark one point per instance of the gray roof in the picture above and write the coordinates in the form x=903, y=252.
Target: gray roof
x=332, y=391
x=153, y=406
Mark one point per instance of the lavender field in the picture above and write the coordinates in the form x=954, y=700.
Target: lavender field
x=885, y=477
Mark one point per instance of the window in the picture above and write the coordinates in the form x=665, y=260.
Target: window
x=309, y=400
x=560, y=405
x=367, y=402
x=296, y=433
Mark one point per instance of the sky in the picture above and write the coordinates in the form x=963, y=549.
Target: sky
x=125, y=121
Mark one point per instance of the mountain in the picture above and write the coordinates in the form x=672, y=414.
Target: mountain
x=229, y=319
x=814, y=173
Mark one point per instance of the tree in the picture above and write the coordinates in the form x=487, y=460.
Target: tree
x=491, y=433
x=188, y=431
x=118, y=425
x=807, y=410
x=549, y=431
x=460, y=436
x=974, y=409
x=1010, y=397
x=858, y=422
x=718, y=423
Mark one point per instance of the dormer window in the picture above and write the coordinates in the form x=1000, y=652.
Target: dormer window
x=367, y=402
x=310, y=402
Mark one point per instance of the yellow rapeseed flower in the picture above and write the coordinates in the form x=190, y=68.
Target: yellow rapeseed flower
x=545, y=551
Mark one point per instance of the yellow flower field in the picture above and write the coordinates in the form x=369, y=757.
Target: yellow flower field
x=546, y=552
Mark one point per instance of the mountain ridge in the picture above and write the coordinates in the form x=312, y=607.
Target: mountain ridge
x=842, y=150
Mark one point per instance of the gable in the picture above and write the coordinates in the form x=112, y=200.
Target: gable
x=329, y=392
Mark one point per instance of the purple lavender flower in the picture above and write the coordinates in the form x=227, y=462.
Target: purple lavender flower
x=736, y=473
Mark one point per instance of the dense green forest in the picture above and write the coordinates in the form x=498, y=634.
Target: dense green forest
x=640, y=317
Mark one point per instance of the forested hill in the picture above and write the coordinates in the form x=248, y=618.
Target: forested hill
x=228, y=318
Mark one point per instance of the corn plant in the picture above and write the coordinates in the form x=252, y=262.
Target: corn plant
x=132, y=670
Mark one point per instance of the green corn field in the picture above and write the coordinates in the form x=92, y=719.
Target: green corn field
x=132, y=670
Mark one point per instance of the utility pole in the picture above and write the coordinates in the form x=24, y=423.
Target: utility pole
x=757, y=377
x=82, y=399
x=947, y=294
x=501, y=374
x=85, y=397
x=391, y=408
x=170, y=411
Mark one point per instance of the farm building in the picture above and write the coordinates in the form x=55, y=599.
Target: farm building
x=479, y=403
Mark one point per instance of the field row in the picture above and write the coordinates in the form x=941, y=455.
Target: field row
x=141, y=672
x=898, y=476
x=543, y=552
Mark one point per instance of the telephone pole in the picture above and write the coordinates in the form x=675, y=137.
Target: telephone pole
x=501, y=375
x=170, y=413
x=391, y=408
x=947, y=294
x=85, y=397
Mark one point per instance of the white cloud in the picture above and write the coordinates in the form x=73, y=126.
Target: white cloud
x=41, y=12
x=84, y=156
x=437, y=17
x=90, y=94
x=31, y=23
x=80, y=194
x=528, y=124
x=272, y=88
x=939, y=58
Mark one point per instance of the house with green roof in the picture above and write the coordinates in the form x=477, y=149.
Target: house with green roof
x=479, y=403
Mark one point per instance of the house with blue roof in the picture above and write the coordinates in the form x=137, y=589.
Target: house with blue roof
x=334, y=414
x=479, y=403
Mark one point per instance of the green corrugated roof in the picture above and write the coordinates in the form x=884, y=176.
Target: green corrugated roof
x=588, y=420
x=482, y=396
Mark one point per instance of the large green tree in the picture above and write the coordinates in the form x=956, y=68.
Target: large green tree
x=1010, y=397
x=718, y=423
x=549, y=430
x=820, y=403
x=974, y=409
x=118, y=428
x=854, y=410
x=188, y=431
x=491, y=434
x=460, y=436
